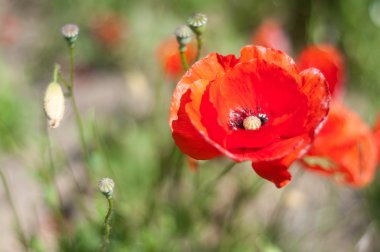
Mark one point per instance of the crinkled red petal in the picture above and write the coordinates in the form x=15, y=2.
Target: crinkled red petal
x=269, y=55
x=315, y=87
x=328, y=60
x=189, y=139
x=206, y=70
x=348, y=144
x=275, y=172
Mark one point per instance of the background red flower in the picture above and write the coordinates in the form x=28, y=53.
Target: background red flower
x=257, y=108
x=109, y=29
x=270, y=33
x=376, y=131
x=170, y=59
x=329, y=61
x=345, y=148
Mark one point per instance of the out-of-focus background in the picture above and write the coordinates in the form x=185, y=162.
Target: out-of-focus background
x=123, y=95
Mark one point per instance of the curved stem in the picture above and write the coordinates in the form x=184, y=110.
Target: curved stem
x=214, y=181
x=107, y=226
x=55, y=73
x=64, y=81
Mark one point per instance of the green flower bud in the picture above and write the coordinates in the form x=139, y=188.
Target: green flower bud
x=197, y=22
x=183, y=34
x=54, y=104
x=70, y=32
x=106, y=186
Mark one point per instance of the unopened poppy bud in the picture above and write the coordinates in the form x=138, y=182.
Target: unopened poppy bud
x=106, y=186
x=197, y=22
x=54, y=104
x=183, y=35
x=70, y=32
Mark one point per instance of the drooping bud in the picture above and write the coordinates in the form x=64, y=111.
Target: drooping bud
x=70, y=32
x=183, y=34
x=197, y=22
x=54, y=104
x=106, y=186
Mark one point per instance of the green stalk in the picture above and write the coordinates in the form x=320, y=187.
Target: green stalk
x=52, y=178
x=211, y=184
x=107, y=226
x=78, y=118
x=199, y=46
x=185, y=65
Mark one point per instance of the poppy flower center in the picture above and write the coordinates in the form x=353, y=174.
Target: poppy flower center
x=246, y=119
x=252, y=123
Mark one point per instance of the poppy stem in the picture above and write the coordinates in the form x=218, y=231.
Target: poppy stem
x=185, y=65
x=199, y=46
x=107, y=226
x=51, y=175
x=55, y=73
x=78, y=118
x=214, y=181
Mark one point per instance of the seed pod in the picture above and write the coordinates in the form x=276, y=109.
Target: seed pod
x=197, y=22
x=183, y=34
x=54, y=104
x=106, y=186
x=70, y=32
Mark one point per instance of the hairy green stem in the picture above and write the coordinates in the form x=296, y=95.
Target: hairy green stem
x=107, y=226
x=185, y=65
x=78, y=118
x=55, y=73
x=199, y=47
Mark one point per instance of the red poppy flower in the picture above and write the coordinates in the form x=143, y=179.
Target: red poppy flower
x=271, y=34
x=329, y=61
x=345, y=148
x=168, y=54
x=257, y=107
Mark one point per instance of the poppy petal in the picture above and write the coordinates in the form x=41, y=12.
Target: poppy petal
x=270, y=55
x=187, y=138
x=207, y=69
x=328, y=60
x=275, y=172
x=315, y=87
x=348, y=145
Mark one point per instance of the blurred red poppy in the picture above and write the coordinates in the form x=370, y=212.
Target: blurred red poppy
x=168, y=54
x=257, y=107
x=192, y=163
x=9, y=29
x=108, y=29
x=271, y=34
x=329, y=61
x=345, y=148
x=376, y=131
